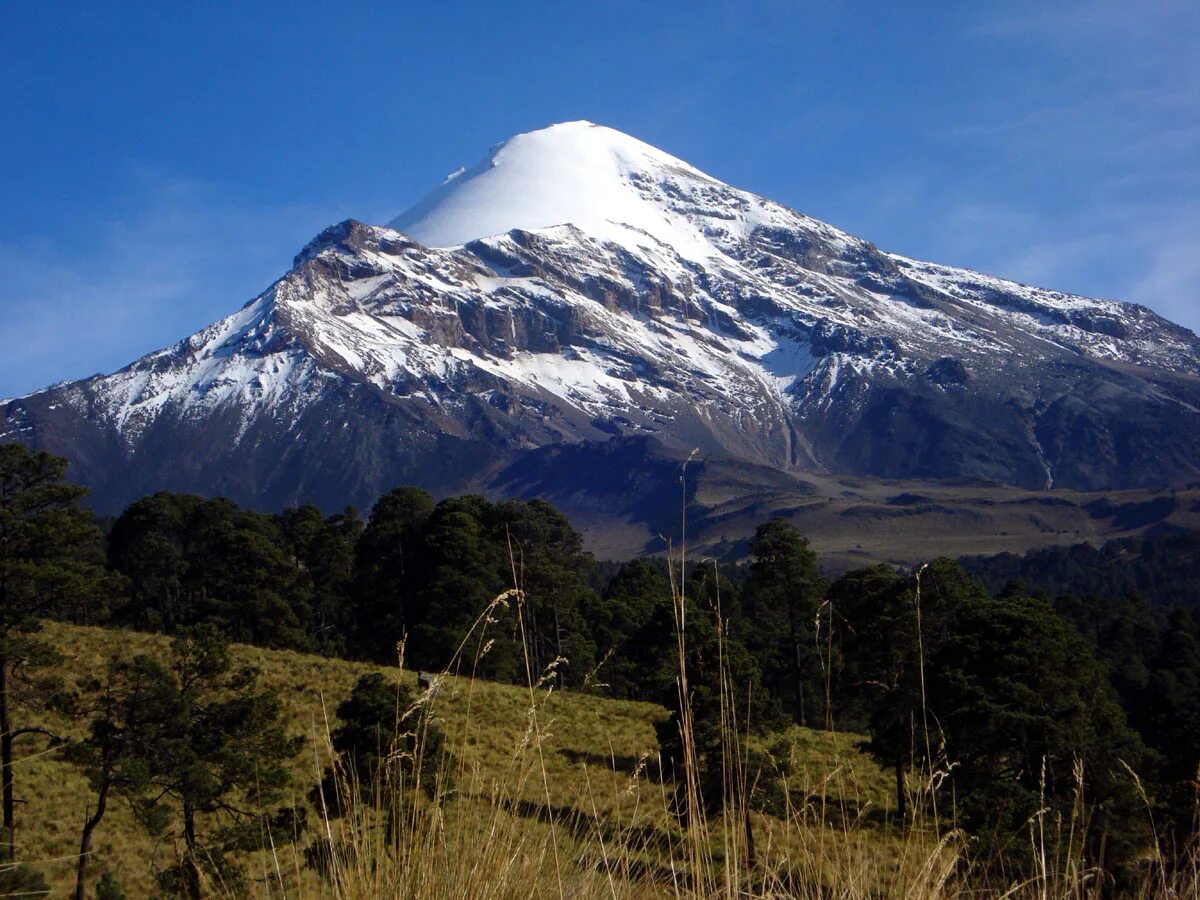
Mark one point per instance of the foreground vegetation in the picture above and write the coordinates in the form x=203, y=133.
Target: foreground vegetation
x=597, y=755
x=539, y=793
x=1028, y=747
x=589, y=732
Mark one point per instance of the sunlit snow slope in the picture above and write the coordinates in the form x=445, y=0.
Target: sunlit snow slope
x=602, y=181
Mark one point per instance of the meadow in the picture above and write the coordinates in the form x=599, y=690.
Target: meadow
x=549, y=793
x=539, y=771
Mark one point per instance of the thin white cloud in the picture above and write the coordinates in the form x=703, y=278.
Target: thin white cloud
x=1171, y=283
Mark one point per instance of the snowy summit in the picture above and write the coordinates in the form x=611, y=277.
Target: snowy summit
x=574, y=173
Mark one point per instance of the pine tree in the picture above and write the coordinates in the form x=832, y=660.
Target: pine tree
x=391, y=568
x=323, y=552
x=619, y=622
x=383, y=744
x=1020, y=702
x=464, y=566
x=1002, y=694
x=724, y=696
x=546, y=557
x=221, y=759
x=1169, y=721
x=248, y=586
x=875, y=620
x=782, y=596
x=134, y=712
x=149, y=544
x=50, y=565
x=191, y=561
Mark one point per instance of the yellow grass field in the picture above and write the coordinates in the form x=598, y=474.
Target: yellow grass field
x=580, y=761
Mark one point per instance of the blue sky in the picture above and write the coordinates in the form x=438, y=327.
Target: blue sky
x=160, y=166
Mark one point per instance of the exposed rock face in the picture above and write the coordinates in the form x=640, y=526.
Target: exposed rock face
x=703, y=316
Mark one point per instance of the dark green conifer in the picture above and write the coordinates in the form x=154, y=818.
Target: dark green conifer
x=391, y=568
x=782, y=596
x=50, y=566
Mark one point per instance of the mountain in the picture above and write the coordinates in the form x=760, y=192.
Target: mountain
x=581, y=296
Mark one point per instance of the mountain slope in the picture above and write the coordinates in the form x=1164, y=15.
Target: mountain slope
x=578, y=285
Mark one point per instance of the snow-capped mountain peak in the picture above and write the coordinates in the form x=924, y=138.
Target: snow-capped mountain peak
x=577, y=285
x=606, y=183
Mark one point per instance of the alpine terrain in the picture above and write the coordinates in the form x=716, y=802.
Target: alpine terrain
x=578, y=311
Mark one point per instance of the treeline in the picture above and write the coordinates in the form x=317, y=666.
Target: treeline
x=1009, y=706
x=414, y=573
x=1164, y=568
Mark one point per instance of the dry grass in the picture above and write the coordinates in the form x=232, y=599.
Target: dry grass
x=596, y=754
x=550, y=794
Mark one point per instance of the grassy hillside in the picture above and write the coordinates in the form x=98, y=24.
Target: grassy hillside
x=583, y=761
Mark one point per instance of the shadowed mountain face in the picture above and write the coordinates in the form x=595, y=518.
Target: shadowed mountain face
x=578, y=286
